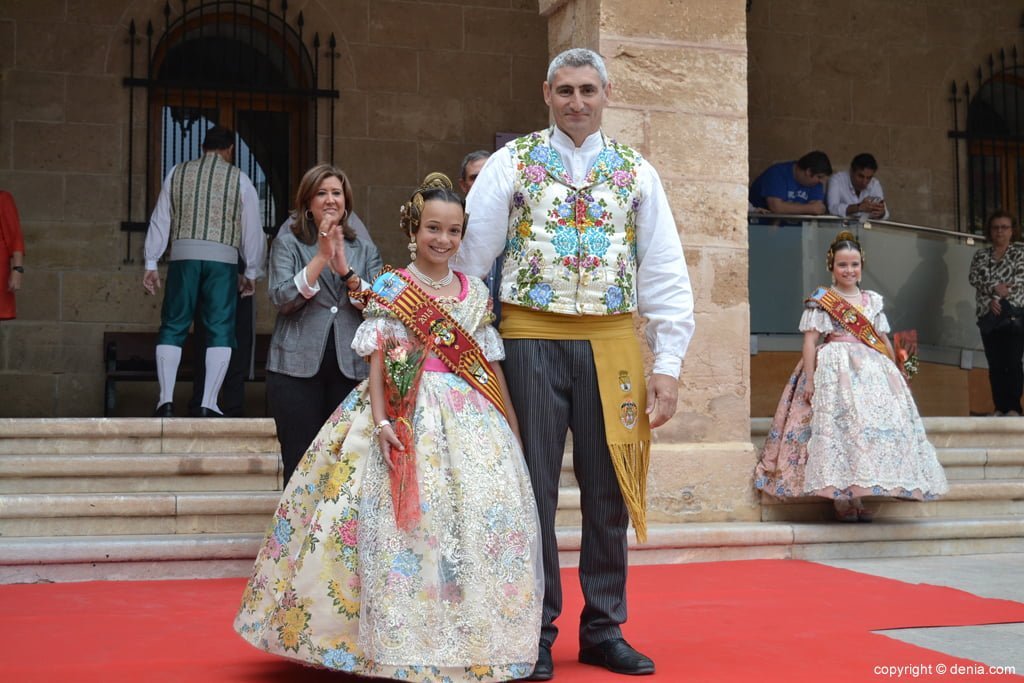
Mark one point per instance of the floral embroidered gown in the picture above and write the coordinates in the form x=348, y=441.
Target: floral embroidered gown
x=860, y=436
x=338, y=585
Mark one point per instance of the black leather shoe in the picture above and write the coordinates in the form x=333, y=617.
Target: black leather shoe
x=544, y=669
x=207, y=412
x=165, y=410
x=617, y=656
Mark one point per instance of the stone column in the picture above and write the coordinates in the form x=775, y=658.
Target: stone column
x=679, y=94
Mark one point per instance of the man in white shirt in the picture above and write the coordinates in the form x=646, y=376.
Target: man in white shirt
x=209, y=212
x=858, y=192
x=588, y=237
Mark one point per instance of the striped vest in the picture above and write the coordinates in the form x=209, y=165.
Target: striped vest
x=206, y=203
x=571, y=246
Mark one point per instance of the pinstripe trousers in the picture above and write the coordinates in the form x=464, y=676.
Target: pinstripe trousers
x=553, y=385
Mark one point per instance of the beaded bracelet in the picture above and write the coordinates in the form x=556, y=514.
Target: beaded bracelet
x=377, y=428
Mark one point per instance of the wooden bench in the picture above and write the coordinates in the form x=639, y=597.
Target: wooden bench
x=131, y=357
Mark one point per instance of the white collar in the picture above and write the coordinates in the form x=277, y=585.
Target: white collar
x=561, y=141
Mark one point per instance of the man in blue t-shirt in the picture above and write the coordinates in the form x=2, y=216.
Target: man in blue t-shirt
x=793, y=186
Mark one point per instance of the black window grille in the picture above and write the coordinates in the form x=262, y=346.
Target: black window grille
x=238, y=64
x=988, y=141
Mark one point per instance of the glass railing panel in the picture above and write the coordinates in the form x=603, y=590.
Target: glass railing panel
x=921, y=272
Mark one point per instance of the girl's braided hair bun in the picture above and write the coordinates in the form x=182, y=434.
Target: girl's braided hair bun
x=844, y=240
x=435, y=186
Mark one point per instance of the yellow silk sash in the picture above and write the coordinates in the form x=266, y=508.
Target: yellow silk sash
x=619, y=364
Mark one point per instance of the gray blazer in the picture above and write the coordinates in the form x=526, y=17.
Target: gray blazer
x=300, y=332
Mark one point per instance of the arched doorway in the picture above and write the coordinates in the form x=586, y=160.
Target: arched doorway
x=995, y=145
x=991, y=141
x=236, y=65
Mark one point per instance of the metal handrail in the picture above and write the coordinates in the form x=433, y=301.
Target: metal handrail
x=868, y=225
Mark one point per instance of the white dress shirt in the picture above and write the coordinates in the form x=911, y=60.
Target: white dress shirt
x=841, y=194
x=664, y=296
x=253, y=243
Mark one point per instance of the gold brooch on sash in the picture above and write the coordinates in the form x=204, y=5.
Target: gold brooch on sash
x=442, y=332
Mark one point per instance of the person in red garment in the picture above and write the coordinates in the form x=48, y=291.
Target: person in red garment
x=12, y=255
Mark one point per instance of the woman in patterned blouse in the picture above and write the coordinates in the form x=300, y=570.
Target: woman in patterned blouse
x=997, y=275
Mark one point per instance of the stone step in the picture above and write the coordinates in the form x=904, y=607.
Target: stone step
x=65, y=436
x=79, y=514
x=982, y=463
x=985, y=459
x=180, y=498
x=945, y=432
x=113, y=484
x=162, y=512
x=814, y=511
x=95, y=473
x=240, y=511
x=967, y=499
x=231, y=554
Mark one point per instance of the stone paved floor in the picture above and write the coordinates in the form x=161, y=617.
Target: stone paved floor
x=991, y=576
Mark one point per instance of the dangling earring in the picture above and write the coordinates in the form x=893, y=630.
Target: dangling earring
x=412, y=248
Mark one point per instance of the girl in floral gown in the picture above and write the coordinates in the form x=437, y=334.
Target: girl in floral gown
x=847, y=425
x=449, y=587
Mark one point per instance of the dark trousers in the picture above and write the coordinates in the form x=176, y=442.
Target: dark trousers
x=232, y=392
x=1003, y=351
x=553, y=386
x=301, y=405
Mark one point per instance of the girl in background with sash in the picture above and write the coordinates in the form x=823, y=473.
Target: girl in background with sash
x=847, y=425
x=353, y=577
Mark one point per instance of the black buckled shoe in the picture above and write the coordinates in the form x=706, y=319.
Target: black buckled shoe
x=207, y=412
x=617, y=656
x=544, y=669
x=164, y=410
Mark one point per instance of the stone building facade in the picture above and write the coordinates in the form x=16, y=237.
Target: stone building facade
x=423, y=82
x=875, y=76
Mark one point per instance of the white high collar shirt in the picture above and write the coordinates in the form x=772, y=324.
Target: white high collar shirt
x=664, y=295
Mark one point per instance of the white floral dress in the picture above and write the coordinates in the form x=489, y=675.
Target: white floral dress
x=338, y=585
x=867, y=438
x=860, y=436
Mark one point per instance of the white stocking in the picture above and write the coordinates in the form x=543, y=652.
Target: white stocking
x=217, y=359
x=168, y=358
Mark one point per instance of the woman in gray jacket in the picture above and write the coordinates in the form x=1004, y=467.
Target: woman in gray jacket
x=311, y=366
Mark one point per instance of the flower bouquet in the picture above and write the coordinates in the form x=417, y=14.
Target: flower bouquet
x=905, y=344
x=402, y=361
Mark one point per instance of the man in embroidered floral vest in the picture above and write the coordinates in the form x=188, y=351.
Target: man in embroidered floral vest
x=588, y=238
x=211, y=210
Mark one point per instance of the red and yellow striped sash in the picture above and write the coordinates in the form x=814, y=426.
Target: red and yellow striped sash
x=849, y=317
x=439, y=332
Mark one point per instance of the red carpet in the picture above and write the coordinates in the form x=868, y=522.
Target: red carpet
x=770, y=620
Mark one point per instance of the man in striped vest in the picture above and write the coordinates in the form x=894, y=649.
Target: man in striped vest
x=210, y=209
x=588, y=239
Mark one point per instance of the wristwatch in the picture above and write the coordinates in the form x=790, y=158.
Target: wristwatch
x=20, y=269
x=348, y=276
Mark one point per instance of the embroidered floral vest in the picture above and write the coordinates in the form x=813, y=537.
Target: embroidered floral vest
x=571, y=247
x=206, y=202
